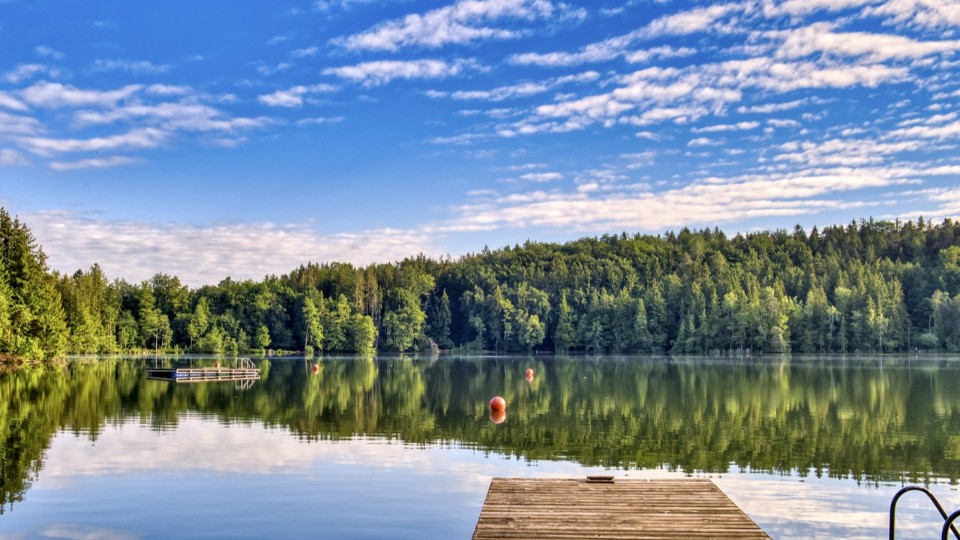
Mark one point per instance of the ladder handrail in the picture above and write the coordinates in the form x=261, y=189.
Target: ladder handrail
x=948, y=525
x=947, y=520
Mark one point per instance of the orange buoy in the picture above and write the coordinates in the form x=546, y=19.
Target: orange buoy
x=497, y=417
x=529, y=375
x=498, y=404
x=315, y=369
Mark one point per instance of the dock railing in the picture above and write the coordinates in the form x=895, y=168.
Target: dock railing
x=947, y=519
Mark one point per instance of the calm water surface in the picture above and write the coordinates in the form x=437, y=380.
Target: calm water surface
x=405, y=448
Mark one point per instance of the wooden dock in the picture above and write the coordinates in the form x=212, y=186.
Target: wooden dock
x=568, y=509
x=190, y=375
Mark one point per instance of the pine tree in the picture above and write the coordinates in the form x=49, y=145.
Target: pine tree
x=564, y=334
x=38, y=327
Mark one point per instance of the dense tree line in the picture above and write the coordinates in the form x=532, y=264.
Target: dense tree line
x=870, y=286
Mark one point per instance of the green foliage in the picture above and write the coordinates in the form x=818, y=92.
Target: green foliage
x=92, y=310
x=563, y=335
x=946, y=320
x=313, y=327
x=404, y=321
x=155, y=331
x=200, y=321
x=865, y=287
x=439, y=320
x=263, y=337
x=362, y=334
x=32, y=319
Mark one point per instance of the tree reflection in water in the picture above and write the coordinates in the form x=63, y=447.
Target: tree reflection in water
x=874, y=419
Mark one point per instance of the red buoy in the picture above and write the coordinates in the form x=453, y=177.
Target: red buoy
x=315, y=369
x=498, y=404
x=216, y=364
x=529, y=375
x=497, y=417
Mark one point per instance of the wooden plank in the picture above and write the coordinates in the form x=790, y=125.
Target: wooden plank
x=572, y=509
x=188, y=375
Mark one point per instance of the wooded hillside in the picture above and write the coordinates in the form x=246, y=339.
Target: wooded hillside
x=870, y=286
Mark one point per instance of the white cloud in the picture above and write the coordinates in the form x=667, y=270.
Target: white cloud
x=931, y=120
x=665, y=51
x=595, y=52
x=327, y=5
x=49, y=52
x=603, y=51
x=772, y=107
x=293, y=97
x=929, y=14
x=267, y=70
x=201, y=255
x=948, y=201
x=15, y=124
x=134, y=139
x=64, y=531
x=519, y=90
x=140, y=67
x=739, y=126
x=10, y=157
x=461, y=139
x=319, y=120
x=458, y=23
x=788, y=76
x=527, y=167
x=683, y=95
x=381, y=72
x=498, y=94
x=805, y=7
x=704, y=141
x=168, y=90
x=153, y=120
x=710, y=201
x=946, y=131
x=305, y=52
x=540, y=177
x=783, y=123
x=172, y=116
x=55, y=95
x=25, y=72
x=686, y=22
x=92, y=163
x=10, y=102
x=820, y=38
x=689, y=22
x=851, y=153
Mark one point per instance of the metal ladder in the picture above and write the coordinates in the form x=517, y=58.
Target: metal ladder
x=947, y=519
x=245, y=363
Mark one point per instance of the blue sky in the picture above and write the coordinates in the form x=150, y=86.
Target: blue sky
x=213, y=139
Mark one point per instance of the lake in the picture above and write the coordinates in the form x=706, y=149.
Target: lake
x=404, y=447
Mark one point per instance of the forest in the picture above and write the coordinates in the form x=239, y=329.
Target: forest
x=869, y=286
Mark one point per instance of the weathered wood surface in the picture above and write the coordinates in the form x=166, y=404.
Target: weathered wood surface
x=568, y=509
x=183, y=375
